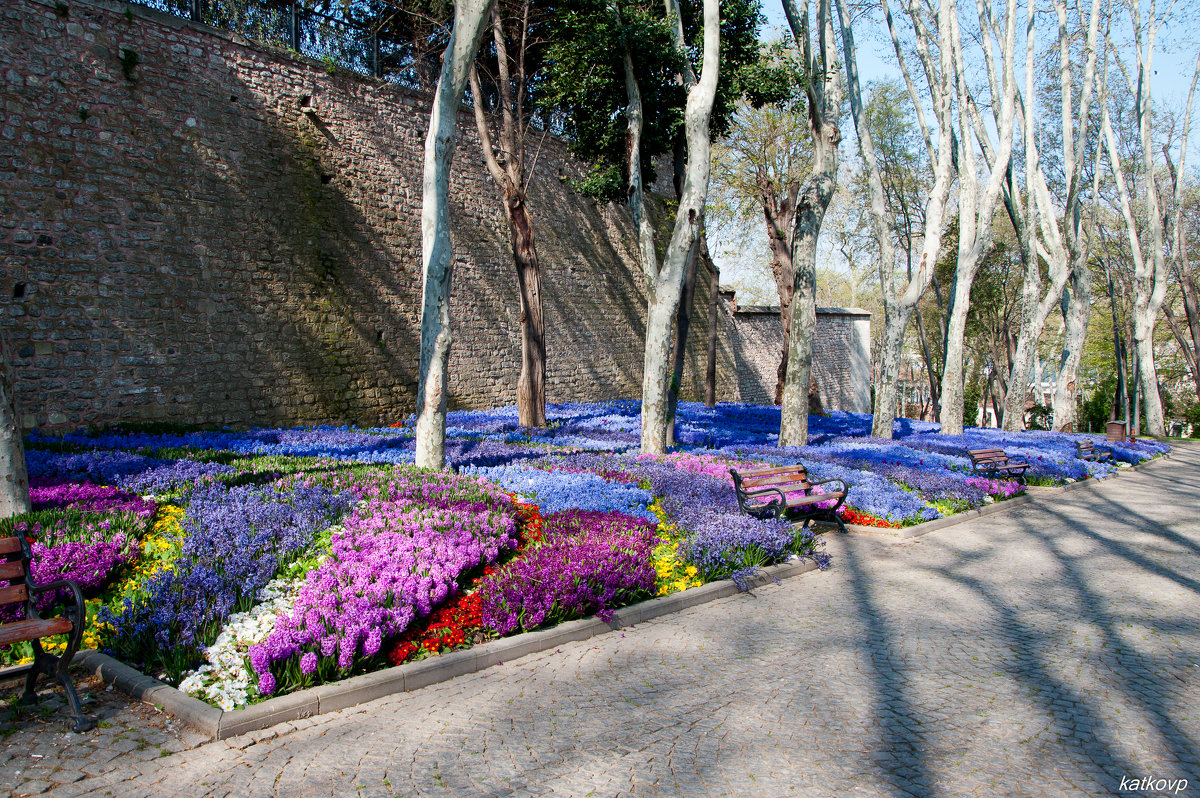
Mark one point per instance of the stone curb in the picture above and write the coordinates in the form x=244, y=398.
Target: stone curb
x=1031, y=493
x=221, y=725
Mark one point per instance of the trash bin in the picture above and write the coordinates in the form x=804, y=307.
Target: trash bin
x=1115, y=431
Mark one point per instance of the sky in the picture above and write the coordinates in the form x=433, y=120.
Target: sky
x=742, y=254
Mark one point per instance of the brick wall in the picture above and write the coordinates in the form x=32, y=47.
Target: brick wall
x=188, y=243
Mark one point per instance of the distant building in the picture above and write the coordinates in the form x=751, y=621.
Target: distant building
x=841, y=353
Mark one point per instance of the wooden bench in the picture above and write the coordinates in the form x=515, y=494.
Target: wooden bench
x=787, y=493
x=995, y=463
x=19, y=589
x=1086, y=450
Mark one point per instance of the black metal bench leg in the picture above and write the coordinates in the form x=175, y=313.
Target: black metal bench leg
x=29, y=697
x=82, y=722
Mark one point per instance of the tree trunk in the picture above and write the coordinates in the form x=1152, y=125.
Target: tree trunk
x=667, y=281
x=1120, y=409
x=891, y=353
x=1018, y=383
x=437, y=255
x=793, y=427
x=1191, y=311
x=14, y=481
x=780, y=235
x=975, y=212
x=1078, y=310
x=683, y=325
x=1135, y=424
x=952, y=370
x=1143, y=337
x=531, y=384
x=511, y=179
x=823, y=90
x=898, y=306
x=997, y=392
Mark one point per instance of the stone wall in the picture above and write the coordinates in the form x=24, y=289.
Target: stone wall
x=230, y=234
x=841, y=354
x=226, y=233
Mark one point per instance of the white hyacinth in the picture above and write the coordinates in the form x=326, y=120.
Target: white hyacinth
x=224, y=679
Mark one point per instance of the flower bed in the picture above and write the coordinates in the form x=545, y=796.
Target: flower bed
x=589, y=562
x=245, y=564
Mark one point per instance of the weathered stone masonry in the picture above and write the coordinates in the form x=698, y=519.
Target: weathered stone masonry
x=229, y=234
x=841, y=353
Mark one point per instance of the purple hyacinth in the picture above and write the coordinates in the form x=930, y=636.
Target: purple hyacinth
x=588, y=562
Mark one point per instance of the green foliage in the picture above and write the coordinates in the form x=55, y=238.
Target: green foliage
x=776, y=77
x=1097, y=407
x=1038, y=418
x=603, y=182
x=585, y=81
x=1192, y=416
x=972, y=395
x=584, y=77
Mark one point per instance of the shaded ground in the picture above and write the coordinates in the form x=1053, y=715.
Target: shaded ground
x=1050, y=650
x=38, y=748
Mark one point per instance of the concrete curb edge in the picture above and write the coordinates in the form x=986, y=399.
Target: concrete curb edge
x=221, y=725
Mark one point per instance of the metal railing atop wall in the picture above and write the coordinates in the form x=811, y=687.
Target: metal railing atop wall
x=338, y=41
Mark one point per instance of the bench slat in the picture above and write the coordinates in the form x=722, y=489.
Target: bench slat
x=21, y=631
x=816, y=497
x=12, y=594
x=775, y=480
x=9, y=545
x=762, y=472
x=12, y=570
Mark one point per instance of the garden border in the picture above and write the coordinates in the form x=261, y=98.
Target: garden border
x=219, y=724
x=1031, y=493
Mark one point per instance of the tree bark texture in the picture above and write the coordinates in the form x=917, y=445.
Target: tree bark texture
x=14, y=481
x=1078, y=308
x=887, y=375
x=531, y=384
x=823, y=90
x=667, y=280
x=779, y=212
x=1121, y=400
x=975, y=212
x=512, y=184
x=898, y=306
x=437, y=255
x=683, y=326
x=1149, y=285
x=1181, y=265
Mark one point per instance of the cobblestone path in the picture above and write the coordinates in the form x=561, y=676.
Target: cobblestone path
x=1050, y=650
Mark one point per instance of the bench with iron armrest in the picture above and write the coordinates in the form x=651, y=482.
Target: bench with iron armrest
x=20, y=590
x=995, y=463
x=787, y=493
x=1086, y=450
